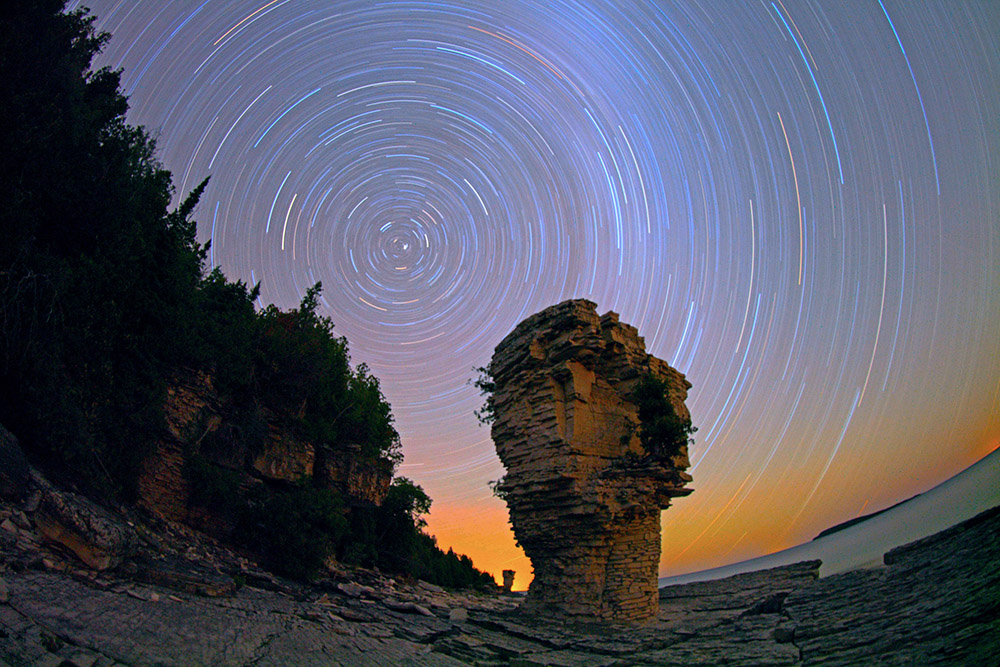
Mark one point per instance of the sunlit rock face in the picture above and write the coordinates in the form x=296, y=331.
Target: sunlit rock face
x=584, y=495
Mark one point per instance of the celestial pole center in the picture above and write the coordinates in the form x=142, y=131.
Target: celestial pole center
x=796, y=203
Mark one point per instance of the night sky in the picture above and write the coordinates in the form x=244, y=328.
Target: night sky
x=796, y=203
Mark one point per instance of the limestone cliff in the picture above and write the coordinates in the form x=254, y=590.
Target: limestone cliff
x=584, y=495
x=195, y=413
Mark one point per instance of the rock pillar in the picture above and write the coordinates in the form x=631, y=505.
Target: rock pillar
x=583, y=493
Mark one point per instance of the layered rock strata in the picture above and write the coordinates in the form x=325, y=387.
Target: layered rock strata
x=194, y=412
x=98, y=537
x=584, y=495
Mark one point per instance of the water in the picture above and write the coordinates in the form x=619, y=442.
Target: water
x=975, y=489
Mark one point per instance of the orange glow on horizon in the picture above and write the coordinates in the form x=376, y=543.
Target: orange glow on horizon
x=695, y=536
x=484, y=536
x=745, y=515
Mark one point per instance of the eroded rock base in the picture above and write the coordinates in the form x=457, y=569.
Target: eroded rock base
x=584, y=492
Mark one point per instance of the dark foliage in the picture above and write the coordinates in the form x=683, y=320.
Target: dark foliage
x=214, y=487
x=303, y=370
x=391, y=537
x=296, y=531
x=104, y=296
x=94, y=272
x=661, y=430
x=486, y=385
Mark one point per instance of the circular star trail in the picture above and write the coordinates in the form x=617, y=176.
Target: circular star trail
x=796, y=203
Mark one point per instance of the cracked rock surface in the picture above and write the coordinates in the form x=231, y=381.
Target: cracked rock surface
x=935, y=602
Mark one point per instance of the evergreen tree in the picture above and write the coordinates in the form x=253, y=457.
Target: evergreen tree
x=94, y=271
x=105, y=300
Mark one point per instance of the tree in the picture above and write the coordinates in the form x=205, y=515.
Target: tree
x=94, y=271
x=392, y=538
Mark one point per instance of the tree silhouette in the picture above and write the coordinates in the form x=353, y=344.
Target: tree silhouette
x=105, y=299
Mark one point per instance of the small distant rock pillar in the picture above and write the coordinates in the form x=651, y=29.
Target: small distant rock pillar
x=584, y=496
x=508, y=580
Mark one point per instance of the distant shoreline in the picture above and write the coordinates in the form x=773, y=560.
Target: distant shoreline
x=860, y=542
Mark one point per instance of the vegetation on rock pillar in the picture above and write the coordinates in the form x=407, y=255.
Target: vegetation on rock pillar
x=486, y=385
x=662, y=431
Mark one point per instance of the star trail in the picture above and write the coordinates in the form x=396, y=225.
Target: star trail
x=796, y=203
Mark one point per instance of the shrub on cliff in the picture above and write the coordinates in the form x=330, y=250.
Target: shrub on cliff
x=662, y=431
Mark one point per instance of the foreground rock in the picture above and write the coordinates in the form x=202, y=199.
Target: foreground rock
x=584, y=493
x=935, y=602
x=99, y=538
x=198, y=429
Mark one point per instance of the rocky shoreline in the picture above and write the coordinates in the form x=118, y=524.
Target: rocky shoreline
x=183, y=599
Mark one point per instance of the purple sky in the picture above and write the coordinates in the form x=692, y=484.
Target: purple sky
x=796, y=203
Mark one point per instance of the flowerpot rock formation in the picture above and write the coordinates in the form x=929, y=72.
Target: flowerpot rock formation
x=584, y=494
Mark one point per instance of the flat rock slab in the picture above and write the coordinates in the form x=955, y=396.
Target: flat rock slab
x=743, y=590
x=255, y=628
x=179, y=575
x=937, y=602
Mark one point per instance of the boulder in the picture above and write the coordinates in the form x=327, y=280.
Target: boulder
x=355, y=590
x=407, y=607
x=97, y=537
